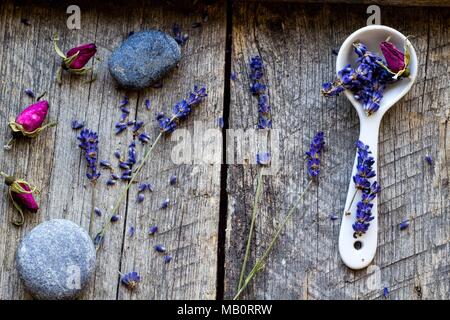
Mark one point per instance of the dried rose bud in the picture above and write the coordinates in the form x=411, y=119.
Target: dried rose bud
x=21, y=194
x=76, y=58
x=33, y=116
x=395, y=59
x=29, y=122
x=82, y=54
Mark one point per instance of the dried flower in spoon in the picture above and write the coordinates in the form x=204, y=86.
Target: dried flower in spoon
x=369, y=77
x=396, y=61
x=76, y=58
x=29, y=123
x=21, y=194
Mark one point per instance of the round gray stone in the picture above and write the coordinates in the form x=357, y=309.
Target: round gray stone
x=55, y=260
x=143, y=59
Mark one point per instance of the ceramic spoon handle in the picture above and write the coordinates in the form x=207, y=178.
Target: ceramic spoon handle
x=357, y=253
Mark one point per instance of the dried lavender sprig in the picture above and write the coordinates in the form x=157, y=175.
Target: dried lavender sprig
x=252, y=226
x=317, y=145
x=364, y=172
x=89, y=143
x=194, y=98
x=259, y=265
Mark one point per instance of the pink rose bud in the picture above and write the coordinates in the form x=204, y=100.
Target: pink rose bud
x=33, y=116
x=21, y=194
x=395, y=59
x=25, y=200
x=85, y=53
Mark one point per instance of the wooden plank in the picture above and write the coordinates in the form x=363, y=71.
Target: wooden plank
x=54, y=162
x=435, y=3
x=295, y=41
x=188, y=228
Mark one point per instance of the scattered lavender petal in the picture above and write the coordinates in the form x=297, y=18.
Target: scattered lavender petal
x=263, y=158
x=97, y=211
x=385, y=292
x=173, y=180
x=140, y=197
x=131, y=231
x=335, y=51
x=76, y=125
x=333, y=217
x=167, y=258
x=153, y=229
x=233, y=76
x=404, y=224
x=220, y=122
x=29, y=93
x=147, y=104
x=115, y=218
x=160, y=248
x=165, y=203
x=429, y=159
x=124, y=102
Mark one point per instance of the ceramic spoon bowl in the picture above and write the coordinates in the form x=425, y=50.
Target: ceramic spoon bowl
x=357, y=253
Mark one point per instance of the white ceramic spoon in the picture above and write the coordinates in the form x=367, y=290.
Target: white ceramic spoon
x=358, y=253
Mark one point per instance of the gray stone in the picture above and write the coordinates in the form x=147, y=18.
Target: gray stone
x=143, y=59
x=55, y=260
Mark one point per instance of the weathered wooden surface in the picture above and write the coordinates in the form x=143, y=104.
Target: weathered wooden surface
x=295, y=43
x=437, y=3
x=188, y=228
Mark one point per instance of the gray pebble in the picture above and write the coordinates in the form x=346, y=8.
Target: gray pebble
x=143, y=59
x=55, y=260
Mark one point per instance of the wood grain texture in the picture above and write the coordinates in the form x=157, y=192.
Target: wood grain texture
x=409, y=3
x=295, y=42
x=54, y=162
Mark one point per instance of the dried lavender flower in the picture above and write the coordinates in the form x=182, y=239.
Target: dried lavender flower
x=144, y=137
x=173, y=180
x=160, y=248
x=179, y=37
x=165, y=203
x=220, y=122
x=258, y=89
x=152, y=230
x=147, y=104
x=429, y=160
x=97, y=211
x=385, y=292
x=76, y=125
x=181, y=110
x=115, y=218
x=29, y=93
x=263, y=158
x=167, y=258
x=140, y=198
x=314, y=153
x=131, y=279
x=89, y=143
x=404, y=224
